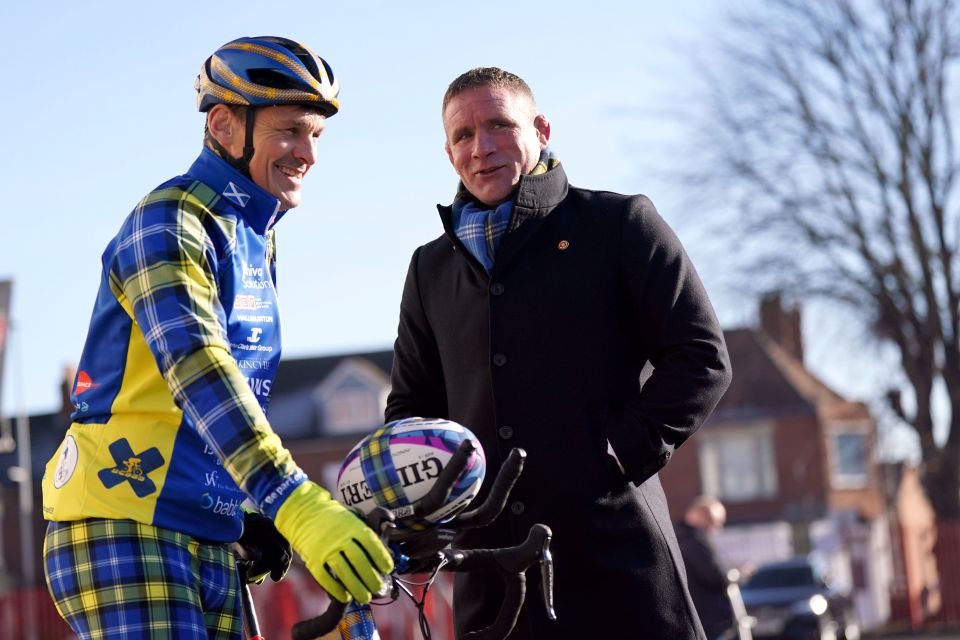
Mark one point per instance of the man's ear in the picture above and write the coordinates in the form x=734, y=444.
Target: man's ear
x=542, y=125
x=446, y=147
x=223, y=126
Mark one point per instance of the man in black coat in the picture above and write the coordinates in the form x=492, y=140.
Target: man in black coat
x=529, y=321
x=706, y=576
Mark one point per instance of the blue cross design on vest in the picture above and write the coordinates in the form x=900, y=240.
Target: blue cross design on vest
x=133, y=468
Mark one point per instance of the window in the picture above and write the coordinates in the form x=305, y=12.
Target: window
x=737, y=463
x=849, y=454
x=349, y=410
x=352, y=397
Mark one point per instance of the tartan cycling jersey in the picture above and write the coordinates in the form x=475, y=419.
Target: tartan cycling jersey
x=175, y=376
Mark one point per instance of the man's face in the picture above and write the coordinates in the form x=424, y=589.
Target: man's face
x=284, y=149
x=494, y=136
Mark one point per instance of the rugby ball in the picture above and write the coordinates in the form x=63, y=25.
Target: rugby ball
x=398, y=464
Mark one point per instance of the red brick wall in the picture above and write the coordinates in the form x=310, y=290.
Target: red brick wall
x=947, y=550
x=801, y=468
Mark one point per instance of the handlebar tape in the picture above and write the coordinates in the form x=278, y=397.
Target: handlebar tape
x=498, y=496
x=320, y=625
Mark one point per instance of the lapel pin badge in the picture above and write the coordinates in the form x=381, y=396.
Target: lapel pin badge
x=563, y=245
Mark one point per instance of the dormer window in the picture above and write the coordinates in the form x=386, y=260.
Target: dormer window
x=352, y=398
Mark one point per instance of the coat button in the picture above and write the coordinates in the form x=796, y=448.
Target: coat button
x=499, y=359
x=505, y=432
x=496, y=288
x=517, y=508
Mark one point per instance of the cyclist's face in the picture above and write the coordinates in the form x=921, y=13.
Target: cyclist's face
x=494, y=136
x=284, y=148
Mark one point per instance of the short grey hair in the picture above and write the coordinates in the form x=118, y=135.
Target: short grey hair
x=486, y=77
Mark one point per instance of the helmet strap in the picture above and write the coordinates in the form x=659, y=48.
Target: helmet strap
x=241, y=164
x=244, y=164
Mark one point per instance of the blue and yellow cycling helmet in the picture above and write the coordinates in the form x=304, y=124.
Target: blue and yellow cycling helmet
x=266, y=71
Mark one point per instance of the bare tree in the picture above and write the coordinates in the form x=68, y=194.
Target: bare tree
x=831, y=128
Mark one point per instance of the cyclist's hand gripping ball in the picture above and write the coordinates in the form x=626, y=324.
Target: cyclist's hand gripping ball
x=343, y=554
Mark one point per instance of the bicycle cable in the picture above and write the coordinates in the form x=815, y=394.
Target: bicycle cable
x=420, y=604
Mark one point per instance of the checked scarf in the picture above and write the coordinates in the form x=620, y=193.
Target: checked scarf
x=480, y=229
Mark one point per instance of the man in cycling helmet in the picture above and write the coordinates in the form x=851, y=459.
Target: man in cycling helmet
x=170, y=434
x=529, y=321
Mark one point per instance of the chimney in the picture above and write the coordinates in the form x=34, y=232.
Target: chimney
x=782, y=325
x=66, y=389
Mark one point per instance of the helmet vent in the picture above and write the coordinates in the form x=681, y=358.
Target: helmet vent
x=329, y=70
x=270, y=78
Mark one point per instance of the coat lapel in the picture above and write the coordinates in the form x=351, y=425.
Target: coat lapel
x=537, y=196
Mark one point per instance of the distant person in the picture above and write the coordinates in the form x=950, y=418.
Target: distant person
x=529, y=321
x=706, y=575
x=170, y=434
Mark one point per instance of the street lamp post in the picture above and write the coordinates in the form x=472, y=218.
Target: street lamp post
x=22, y=474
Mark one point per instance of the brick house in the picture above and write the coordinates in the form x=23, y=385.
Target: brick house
x=793, y=461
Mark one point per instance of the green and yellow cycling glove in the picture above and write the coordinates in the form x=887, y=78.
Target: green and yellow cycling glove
x=343, y=554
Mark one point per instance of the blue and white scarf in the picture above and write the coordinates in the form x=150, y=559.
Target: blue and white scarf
x=480, y=228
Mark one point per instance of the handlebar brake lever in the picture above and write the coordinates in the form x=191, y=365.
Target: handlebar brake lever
x=546, y=577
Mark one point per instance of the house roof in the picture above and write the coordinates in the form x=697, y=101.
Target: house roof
x=770, y=382
x=297, y=374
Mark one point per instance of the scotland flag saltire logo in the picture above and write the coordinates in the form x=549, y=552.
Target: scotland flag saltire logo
x=233, y=194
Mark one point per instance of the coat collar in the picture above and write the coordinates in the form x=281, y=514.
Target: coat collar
x=542, y=192
x=258, y=207
x=536, y=197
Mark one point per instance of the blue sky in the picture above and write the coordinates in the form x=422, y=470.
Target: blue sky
x=104, y=110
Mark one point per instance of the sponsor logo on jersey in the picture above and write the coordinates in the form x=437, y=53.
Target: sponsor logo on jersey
x=250, y=271
x=260, y=386
x=239, y=346
x=218, y=506
x=233, y=194
x=254, y=277
x=66, y=462
x=131, y=467
x=261, y=365
x=250, y=302
x=289, y=483
x=84, y=383
x=254, y=336
x=208, y=451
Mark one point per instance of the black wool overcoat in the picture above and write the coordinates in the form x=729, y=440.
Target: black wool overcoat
x=545, y=353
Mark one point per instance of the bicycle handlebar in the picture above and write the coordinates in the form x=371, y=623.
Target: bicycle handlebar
x=511, y=563
x=320, y=625
x=499, y=493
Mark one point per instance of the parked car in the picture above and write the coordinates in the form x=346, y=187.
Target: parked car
x=797, y=600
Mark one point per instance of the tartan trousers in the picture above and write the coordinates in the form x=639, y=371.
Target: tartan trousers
x=125, y=579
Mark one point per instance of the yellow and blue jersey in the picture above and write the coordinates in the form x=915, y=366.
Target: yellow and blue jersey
x=171, y=392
